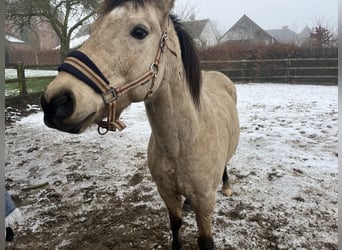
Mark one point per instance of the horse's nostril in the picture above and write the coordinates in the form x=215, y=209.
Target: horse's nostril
x=60, y=107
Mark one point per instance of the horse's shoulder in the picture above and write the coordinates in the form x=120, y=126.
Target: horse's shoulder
x=217, y=81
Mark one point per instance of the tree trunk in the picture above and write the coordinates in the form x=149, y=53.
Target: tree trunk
x=64, y=50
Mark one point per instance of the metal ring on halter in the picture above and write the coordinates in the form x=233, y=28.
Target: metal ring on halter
x=106, y=130
x=154, y=69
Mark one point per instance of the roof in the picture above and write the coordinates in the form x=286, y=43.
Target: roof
x=245, y=29
x=13, y=39
x=195, y=28
x=284, y=35
x=305, y=33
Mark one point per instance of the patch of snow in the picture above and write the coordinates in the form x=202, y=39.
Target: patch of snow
x=12, y=73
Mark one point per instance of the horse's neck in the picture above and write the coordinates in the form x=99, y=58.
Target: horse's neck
x=172, y=114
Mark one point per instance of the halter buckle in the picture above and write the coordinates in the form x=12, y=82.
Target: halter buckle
x=163, y=41
x=110, y=96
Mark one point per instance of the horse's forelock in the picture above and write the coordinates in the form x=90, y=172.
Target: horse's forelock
x=109, y=5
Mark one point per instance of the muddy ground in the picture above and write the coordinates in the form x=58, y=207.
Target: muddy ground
x=91, y=192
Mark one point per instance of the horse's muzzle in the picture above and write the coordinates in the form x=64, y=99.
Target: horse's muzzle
x=58, y=110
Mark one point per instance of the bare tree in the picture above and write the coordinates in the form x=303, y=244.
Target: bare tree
x=321, y=35
x=64, y=16
x=216, y=29
x=31, y=36
x=186, y=10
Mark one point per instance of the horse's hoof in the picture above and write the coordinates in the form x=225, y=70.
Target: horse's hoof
x=205, y=243
x=176, y=245
x=227, y=191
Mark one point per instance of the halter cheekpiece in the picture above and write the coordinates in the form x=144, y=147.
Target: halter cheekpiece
x=82, y=67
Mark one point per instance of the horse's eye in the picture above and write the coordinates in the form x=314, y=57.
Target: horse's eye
x=139, y=32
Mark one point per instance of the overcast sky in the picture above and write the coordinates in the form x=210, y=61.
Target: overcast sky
x=269, y=14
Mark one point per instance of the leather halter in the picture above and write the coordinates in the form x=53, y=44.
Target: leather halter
x=82, y=67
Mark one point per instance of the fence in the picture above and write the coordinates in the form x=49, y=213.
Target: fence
x=304, y=70
x=22, y=79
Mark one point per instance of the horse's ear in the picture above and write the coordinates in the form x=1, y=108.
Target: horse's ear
x=165, y=6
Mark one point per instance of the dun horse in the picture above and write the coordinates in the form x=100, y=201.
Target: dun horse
x=138, y=52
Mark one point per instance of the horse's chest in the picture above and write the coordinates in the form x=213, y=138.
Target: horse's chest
x=165, y=173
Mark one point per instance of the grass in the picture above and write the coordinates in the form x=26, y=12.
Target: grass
x=32, y=86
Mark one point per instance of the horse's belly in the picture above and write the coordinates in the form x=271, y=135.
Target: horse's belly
x=220, y=114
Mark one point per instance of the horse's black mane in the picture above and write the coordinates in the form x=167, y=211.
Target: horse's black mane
x=190, y=60
x=190, y=56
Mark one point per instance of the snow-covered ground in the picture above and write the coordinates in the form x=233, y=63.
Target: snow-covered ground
x=284, y=175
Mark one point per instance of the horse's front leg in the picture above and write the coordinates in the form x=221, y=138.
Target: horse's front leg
x=173, y=203
x=176, y=223
x=204, y=209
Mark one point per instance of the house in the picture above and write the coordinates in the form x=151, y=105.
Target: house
x=284, y=35
x=247, y=31
x=47, y=36
x=202, y=31
x=17, y=50
x=39, y=41
x=41, y=35
x=304, y=37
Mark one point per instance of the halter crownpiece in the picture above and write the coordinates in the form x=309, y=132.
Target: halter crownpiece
x=82, y=67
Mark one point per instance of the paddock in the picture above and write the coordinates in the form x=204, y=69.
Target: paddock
x=75, y=192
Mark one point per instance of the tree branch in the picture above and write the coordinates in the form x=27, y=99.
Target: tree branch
x=60, y=14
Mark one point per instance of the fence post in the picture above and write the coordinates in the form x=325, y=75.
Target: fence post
x=244, y=68
x=21, y=78
x=288, y=71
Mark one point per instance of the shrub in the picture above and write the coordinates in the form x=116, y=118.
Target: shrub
x=241, y=51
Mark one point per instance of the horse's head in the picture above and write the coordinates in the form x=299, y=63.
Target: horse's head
x=116, y=66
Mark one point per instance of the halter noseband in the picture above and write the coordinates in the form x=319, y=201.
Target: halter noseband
x=82, y=67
